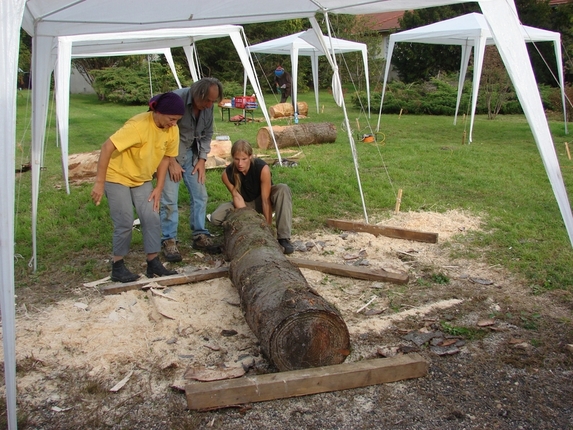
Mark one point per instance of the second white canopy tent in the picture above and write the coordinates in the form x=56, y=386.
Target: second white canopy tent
x=470, y=31
x=306, y=43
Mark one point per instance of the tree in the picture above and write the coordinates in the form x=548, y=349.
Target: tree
x=495, y=83
x=559, y=18
x=24, y=59
x=420, y=62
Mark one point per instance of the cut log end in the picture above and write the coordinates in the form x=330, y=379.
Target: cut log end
x=311, y=339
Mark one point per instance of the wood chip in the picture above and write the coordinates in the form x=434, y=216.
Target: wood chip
x=366, y=305
x=121, y=383
x=160, y=294
x=448, y=342
x=179, y=385
x=58, y=409
x=212, y=346
x=371, y=312
x=486, y=322
x=232, y=301
x=204, y=374
x=98, y=282
x=481, y=281
x=159, y=307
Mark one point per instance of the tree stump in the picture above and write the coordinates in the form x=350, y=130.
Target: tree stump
x=285, y=110
x=297, y=135
x=295, y=326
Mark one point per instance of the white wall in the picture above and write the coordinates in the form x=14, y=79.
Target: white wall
x=78, y=84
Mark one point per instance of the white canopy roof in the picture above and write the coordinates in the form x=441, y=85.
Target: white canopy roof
x=303, y=43
x=470, y=31
x=47, y=19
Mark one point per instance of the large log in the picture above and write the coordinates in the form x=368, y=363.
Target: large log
x=283, y=110
x=297, y=135
x=295, y=326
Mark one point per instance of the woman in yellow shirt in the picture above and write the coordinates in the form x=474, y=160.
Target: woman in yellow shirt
x=125, y=169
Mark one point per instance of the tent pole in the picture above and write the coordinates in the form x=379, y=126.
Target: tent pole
x=336, y=82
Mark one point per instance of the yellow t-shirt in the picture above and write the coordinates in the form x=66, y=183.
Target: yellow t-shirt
x=140, y=147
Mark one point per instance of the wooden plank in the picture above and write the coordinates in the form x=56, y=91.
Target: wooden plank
x=377, y=230
x=351, y=271
x=259, y=388
x=200, y=275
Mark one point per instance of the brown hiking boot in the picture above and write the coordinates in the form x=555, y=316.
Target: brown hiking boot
x=170, y=251
x=204, y=242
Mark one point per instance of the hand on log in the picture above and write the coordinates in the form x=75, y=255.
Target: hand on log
x=296, y=327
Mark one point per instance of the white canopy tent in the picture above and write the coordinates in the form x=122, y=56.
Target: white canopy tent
x=470, y=31
x=46, y=20
x=62, y=80
x=158, y=41
x=304, y=43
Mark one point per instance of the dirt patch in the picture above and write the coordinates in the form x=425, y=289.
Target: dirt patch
x=511, y=366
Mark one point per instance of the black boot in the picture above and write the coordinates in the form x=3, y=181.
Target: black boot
x=120, y=273
x=155, y=268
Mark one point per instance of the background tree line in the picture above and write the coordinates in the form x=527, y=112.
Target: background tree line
x=127, y=79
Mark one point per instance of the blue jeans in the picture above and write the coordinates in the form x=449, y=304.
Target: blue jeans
x=169, y=211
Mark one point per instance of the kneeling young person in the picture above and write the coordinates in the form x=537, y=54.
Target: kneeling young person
x=249, y=181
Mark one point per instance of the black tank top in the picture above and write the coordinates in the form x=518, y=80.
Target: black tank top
x=251, y=182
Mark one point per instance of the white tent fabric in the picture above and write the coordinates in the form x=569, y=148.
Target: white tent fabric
x=470, y=31
x=305, y=43
x=62, y=80
x=46, y=20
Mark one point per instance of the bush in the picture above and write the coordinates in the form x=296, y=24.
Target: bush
x=130, y=85
x=435, y=97
x=439, y=95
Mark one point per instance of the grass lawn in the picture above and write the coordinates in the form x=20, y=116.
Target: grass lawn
x=500, y=176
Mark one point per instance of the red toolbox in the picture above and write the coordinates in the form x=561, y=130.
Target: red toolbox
x=246, y=102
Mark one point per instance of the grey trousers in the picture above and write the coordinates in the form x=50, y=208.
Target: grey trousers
x=121, y=201
x=281, y=201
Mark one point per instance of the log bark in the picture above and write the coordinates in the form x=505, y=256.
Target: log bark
x=297, y=135
x=285, y=110
x=296, y=327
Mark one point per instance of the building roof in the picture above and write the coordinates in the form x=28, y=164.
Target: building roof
x=384, y=21
x=388, y=21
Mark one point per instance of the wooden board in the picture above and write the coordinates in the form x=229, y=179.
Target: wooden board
x=205, y=275
x=200, y=275
x=352, y=271
x=259, y=388
x=398, y=233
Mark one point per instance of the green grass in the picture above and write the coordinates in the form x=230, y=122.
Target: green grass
x=500, y=176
